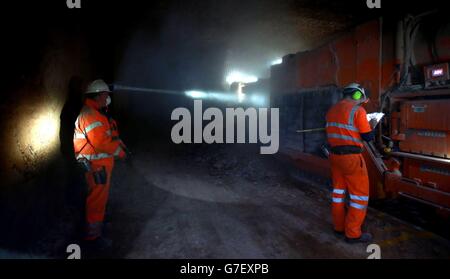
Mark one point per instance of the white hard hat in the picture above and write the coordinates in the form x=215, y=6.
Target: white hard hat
x=97, y=86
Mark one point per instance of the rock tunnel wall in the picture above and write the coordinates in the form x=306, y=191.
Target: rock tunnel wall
x=48, y=66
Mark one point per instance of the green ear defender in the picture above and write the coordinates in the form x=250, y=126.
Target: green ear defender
x=355, y=91
x=357, y=95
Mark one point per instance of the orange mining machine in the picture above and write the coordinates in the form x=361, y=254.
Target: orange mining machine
x=403, y=64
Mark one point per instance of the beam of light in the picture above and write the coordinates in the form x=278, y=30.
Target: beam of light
x=196, y=94
x=276, y=61
x=118, y=87
x=223, y=97
x=218, y=96
x=258, y=100
x=230, y=97
x=236, y=76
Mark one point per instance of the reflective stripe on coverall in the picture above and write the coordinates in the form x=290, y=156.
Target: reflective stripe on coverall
x=345, y=122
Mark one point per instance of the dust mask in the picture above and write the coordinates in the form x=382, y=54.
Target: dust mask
x=108, y=101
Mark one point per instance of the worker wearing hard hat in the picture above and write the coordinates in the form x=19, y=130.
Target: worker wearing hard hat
x=96, y=144
x=347, y=127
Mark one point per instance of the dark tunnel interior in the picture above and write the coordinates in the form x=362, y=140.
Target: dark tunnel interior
x=51, y=53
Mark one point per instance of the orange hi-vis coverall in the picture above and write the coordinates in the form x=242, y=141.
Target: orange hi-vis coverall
x=345, y=122
x=93, y=140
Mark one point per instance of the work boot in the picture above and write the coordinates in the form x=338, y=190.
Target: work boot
x=364, y=238
x=338, y=233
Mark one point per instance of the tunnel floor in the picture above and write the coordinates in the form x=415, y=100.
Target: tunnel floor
x=231, y=203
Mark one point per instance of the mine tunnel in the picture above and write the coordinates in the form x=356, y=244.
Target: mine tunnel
x=257, y=187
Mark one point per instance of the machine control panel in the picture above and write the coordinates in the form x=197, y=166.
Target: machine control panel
x=437, y=76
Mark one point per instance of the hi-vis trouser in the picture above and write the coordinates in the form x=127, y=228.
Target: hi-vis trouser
x=96, y=199
x=349, y=174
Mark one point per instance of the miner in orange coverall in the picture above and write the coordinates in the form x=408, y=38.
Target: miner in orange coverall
x=97, y=143
x=347, y=127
